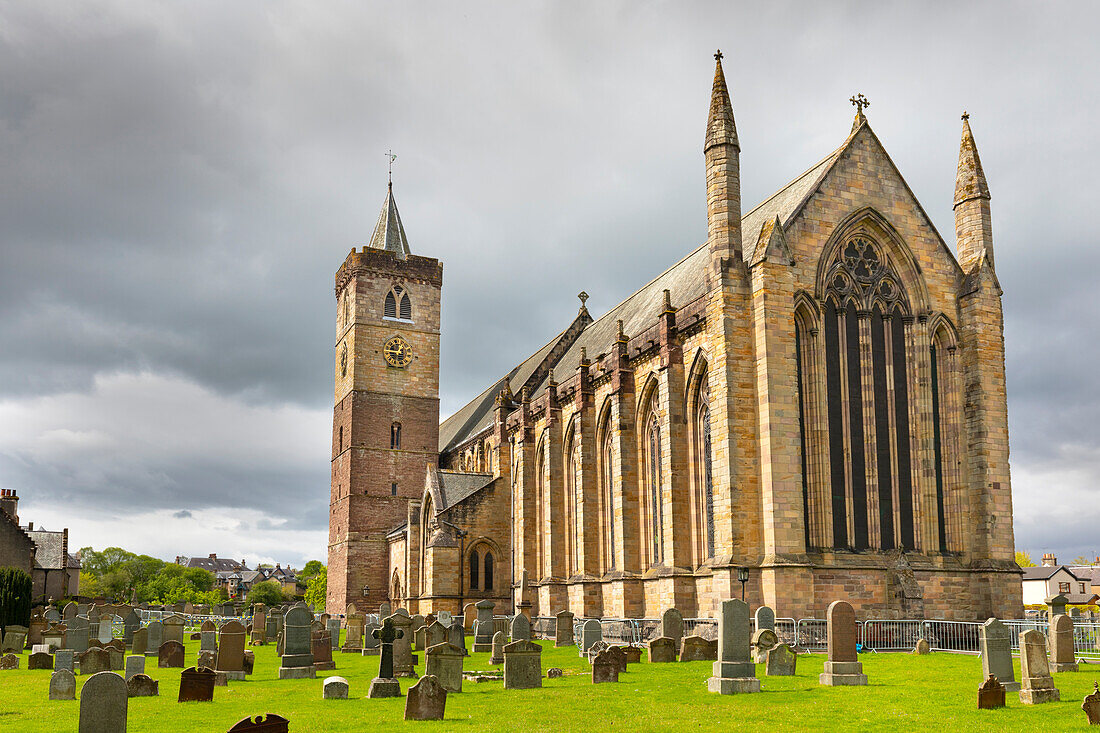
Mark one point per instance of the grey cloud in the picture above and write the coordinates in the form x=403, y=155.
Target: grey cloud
x=181, y=514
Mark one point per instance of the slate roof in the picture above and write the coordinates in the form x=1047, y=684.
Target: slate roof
x=216, y=565
x=1088, y=573
x=1044, y=572
x=50, y=554
x=389, y=233
x=454, y=486
x=685, y=280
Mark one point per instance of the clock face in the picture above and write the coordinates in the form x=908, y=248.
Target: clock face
x=398, y=353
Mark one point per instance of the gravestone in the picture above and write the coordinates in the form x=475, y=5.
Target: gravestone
x=173, y=629
x=9, y=661
x=63, y=659
x=117, y=655
x=321, y=646
x=54, y=636
x=444, y=661
x=103, y=702
x=385, y=685
x=208, y=639
x=69, y=611
x=271, y=724
x=259, y=624
x=94, y=661
x=130, y=624
x=1091, y=705
x=435, y=634
x=672, y=625
x=633, y=654
x=141, y=641
x=554, y=672
x=563, y=629
x=483, y=631
x=209, y=659
x=170, y=655
x=384, y=610
x=420, y=633
x=497, y=655
x=40, y=660
x=617, y=657
x=469, y=616
x=231, y=643
x=456, y=635
x=297, y=657
x=333, y=627
x=604, y=668
x=765, y=618
x=403, y=660
x=37, y=626
x=734, y=672
x=106, y=627
x=154, y=637
x=142, y=685
x=995, y=643
x=334, y=688
x=52, y=615
x=1056, y=605
x=135, y=664
x=522, y=665
x=762, y=641
x=781, y=661
x=196, y=685
x=591, y=632
x=842, y=667
x=1063, y=657
x=1036, y=683
x=354, y=638
x=62, y=685
x=697, y=649
x=521, y=628
x=662, y=649
x=426, y=700
x=922, y=647
x=15, y=638
x=370, y=644
x=991, y=694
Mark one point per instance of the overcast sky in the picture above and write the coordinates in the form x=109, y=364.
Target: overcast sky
x=180, y=181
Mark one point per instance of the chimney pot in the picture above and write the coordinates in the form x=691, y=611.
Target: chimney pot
x=213, y=556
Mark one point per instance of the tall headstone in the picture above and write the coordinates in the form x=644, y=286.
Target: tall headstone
x=76, y=634
x=333, y=626
x=563, y=628
x=63, y=659
x=63, y=685
x=231, y=644
x=259, y=624
x=842, y=667
x=497, y=655
x=445, y=662
x=154, y=637
x=103, y=701
x=995, y=643
x=734, y=672
x=130, y=624
x=141, y=641
x=1063, y=657
x=321, y=646
x=522, y=665
x=521, y=628
x=672, y=625
x=403, y=661
x=456, y=635
x=1036, y=683
x=483, y=638
x=297, y=658
x=591, y=632
x=426, y=700
x=385, y=684
x=173, y=628
x=353, y=640
x=765, y=618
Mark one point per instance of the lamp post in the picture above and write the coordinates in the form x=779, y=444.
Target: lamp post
x=743, y=576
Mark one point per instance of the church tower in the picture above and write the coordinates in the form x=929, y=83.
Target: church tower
x=385, y=422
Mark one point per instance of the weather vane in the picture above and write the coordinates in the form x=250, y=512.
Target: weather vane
x=392, y=157
x=860, y=102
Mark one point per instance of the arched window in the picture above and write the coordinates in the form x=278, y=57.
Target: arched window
x=398, y=304
x=540, y=503
x=488, y=571
x=654, y=485
x=395, y=436
x=704, y=465
x=607, y=494
x=572, y=497
x=395, y=588
x=475, y=566
x=347, y=309
x=390, y=310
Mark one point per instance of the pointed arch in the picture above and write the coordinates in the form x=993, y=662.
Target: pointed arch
x=606, y=467
x=397, y=304
x=951, y=507
x=542, y=468
x=813, y=433
x=702, y=473
x=650, y=441
x=573, y=489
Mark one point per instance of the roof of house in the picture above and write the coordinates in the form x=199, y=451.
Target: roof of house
x=1044, y=572
x=214, y=564
x=1088, y=573
x=50, y=553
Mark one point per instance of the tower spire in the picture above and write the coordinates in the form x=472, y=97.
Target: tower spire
x=973, y=224
x=722, y=152
x=389, y=233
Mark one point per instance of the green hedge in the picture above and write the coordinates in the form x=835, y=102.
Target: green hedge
x=15, y=597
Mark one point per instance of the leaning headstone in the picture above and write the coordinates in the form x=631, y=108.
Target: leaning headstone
x=445, y=662
x=696, y=649
x=563, y=628
x=154, y=637
x=1063, y=657
x=94, y=661
x=469, y=615
x=403, y=660
x=734, y=672
x=604, y=668
x=662, y=649
x=334, y=688
x=69, y=611
x=15, y=639
x=297, y=658
x=140, y=642
x=521, y=628
x=497, y=656
x=435, y=634
x=672, y=625
x=103, y=701
x=781, y=661
x=456, y=635
x=426, y=700
x=762, y=641
x=591, y=632
x=522, y=665
x=170, y=655
x=1036, y=683
x=231, y=643
x=197, y=685
x=995, y=643
x=991, y=694
x=1091, y=705
x=842, y=667
x=483, y=635
x=62, y=685
x=9, y=661
x=385, y=685
x=765, y=618
x=922, y=647
x=40, y=660
x=142, y=685
x=135, y=664
x=63, y=659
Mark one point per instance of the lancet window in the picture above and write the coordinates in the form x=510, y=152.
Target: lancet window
x=397, y=304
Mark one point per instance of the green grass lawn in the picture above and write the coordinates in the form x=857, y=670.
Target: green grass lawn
x=905, y=693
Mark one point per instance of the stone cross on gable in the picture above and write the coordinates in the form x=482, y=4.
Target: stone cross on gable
x=718, y=55
x=860, y=102
x=386, y=635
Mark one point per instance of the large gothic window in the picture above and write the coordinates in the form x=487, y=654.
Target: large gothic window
x=654, y=484
x=607, y=494
x=475, y=568
x=573, y=491
x=704, y=468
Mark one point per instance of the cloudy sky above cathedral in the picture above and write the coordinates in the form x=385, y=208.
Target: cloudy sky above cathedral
x=180, y=181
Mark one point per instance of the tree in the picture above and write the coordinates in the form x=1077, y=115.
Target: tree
x=317, y=590
x=89, y=585
x=1080, y=560
x=1023, y=559
x=268, y=593
x=311, y=569
x=15, y=597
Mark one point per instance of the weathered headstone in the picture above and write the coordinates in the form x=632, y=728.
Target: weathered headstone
x=781, y=661
x=15, y=638
x=206, y=658
x=173, y=629
x=69, y=611
x=563, y=628
x=370, y=644
x=991, y=694
x=922, y=647
x=672, y=625
x=197, y=685
x=135, y=664
x=170, y=655
x=995, y=643
x=385, y=685
x=259, y=624
x=1091, y=705
x=483, y=634
x=130, y=624
x=591, y=632
x=63, y=659
x=40, y=660
x=445, y=662
x=697, y=649
x=426, y=700
x=94, y=661
x=334, y=688
x=1036, y=683
x=62, y=685
x=107, y=627
x=384, y=610
x=248, y=661
x=522, y=665
x=354, y=638
x=1056, y=605
x=321, y=646
x=208, y=640
x=554, y=673
x=141, y=641
x=297, y=657
x=662, y=649
x=231, y=643
x=154, y=637
x=52, y=615
x=420, y=635
x=497, y=655
x=1063, y=657
x=604, y=668
x=842, y=667
x=436, y=633
x=54, y=636
x=103, y=702
x=403, y=660
x=765, y=618
x=456, y=635
x=617, y=654
x=142, y=685
x=9, y=661
x=469, y=615
x=333, y=626
x=734, y=672
x=633, y=654
x=762, y=641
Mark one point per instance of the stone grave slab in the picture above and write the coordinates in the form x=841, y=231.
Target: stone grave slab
x=40, y=660
x=781, y=661
x=426, y=700
x=522, y=665
x=196, y=685
x=334, y=688
x=142, y=685
x=444, y=661
x=662, y=649
x=62, y=685
x=170, y=655
x=103, y=702
x=296, y=661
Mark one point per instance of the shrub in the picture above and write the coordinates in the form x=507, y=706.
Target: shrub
x=15, y=597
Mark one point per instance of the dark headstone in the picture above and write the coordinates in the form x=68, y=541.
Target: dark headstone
x=94, y=661
x=271, y=724
x=170, y=655
x=991, y=694
x=604, y=668
x=426, y=700
x=40, y=660
x=9, y=661
x=385, y=685
x=197, y=685
x=321, y=645
x=142, y=685
x=1091, y=705
x=231, y=643
x=662, y=649
x=249, y=661
x=553, y=673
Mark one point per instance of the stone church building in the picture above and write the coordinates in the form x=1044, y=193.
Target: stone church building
x=814, y=398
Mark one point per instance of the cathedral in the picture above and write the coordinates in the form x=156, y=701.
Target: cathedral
x=809, y=406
